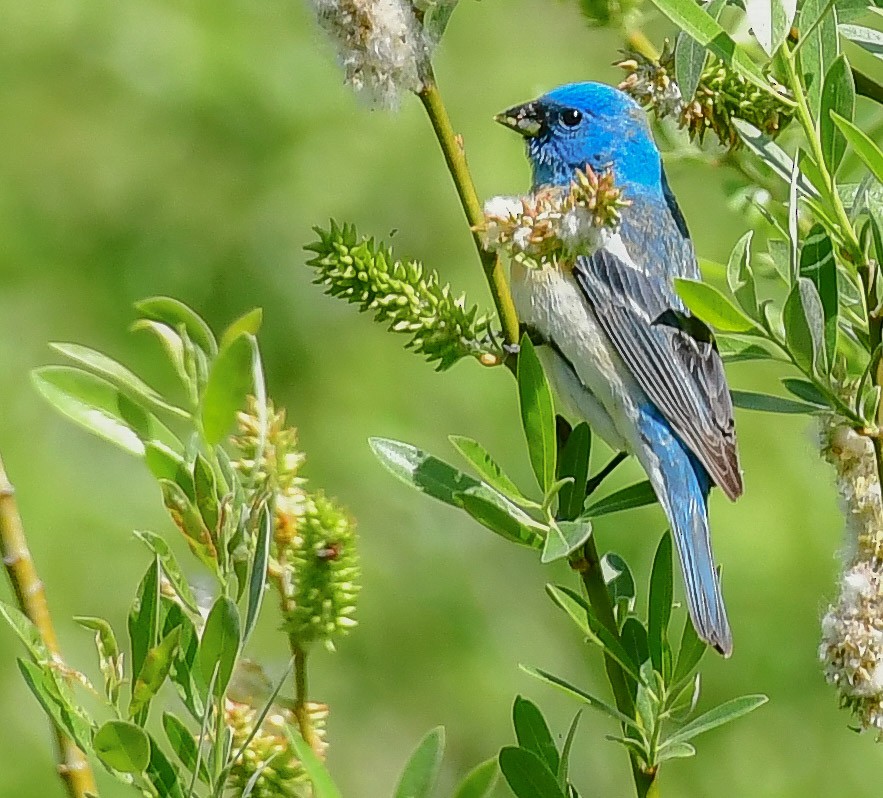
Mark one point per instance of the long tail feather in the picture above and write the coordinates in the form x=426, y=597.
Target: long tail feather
x=682, y=485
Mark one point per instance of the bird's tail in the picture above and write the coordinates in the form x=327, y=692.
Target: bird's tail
x=682, y=484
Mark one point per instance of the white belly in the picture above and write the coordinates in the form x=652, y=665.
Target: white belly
x=602, y=390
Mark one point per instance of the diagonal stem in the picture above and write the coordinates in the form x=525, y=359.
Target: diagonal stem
x=455, y=158
x=73, y=768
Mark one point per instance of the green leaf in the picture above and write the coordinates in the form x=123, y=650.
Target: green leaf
x=257, y=579
x=537, y=414
x=109, y=659
x=436, y=15
x=767, y=403
x=635, y=640
x=690, y=56
x=772, y=155
x=712, y=307
x=638, y=495
x=53, y=695
x=122, y=746
x=838, y=95
x=184, y=673
x=803, y=389
x=184, y=744
x=220, y=642
x=818, y=47
x=230, y=381
x=159, y=547
x=659, y=603
x=705, y=30
x=724, y=713
x=143, y=621
x=689, y=652
x=564, y=765
x=27, y=632
x=161, y=775
x=164, y=463
x=770, y=21
x=421, y=771
x=579, y=611
x=867, y=38
x=527, y=774
x=618, y=578
x=176, y=314
x=564, y=538
x=248, y=323
x=486, y=466
x=736, y=350
x=323, y=785
x=805, y=327
x=205, y=487
x=581, y=695
x=817, y=264
x=740, y=277
x=422, y=470
x=573, y=462
x=119, y=375
x=100, y=407
x=677, y=751
x=156, y=667
x=494, y=511
x=862, y=144
x=532, y=732
x=188, y=519
x=480, y=781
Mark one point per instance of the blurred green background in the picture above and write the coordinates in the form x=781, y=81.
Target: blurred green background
x=186, y=148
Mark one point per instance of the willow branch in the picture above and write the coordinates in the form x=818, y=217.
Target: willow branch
x=455, y=158
x=73, y=768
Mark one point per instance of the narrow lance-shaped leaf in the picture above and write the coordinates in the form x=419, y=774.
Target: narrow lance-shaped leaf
x=532, y=732
x=659, y=604
x=156, y=667
x=486, y=466
x=740, y=276
x=696, y=22
x=690, y=56
x=230, y=381
x=770, y=21
x=866, y=38
x=818, y=48
x=183, y=744
x=176, y=314
x=712, y=307
x=102, y=408
x=480, y=781
x=838, y=95
x=220, y=641
x=53, y=696
x=638, y=495
x=109, y=656
x=143, y=621
x=496, y=513
x=573, y=462
x=767, y=403
x=249, y=323
x=527, y=775
x=537, y=414
x=862, y=144
x=772, y=155
x=157, y=544
x=724, y=713
x=805, y=327
x=119, y=375
x=817, y=264
x=323, y=785
x=258, y=575
x=421, y=771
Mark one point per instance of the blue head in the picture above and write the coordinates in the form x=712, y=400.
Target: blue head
x=587, y=123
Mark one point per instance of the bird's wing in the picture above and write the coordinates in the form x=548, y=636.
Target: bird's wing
x=672, y=356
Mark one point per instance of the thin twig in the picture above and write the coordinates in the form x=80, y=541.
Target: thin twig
x=455, y=158
x=73, y=768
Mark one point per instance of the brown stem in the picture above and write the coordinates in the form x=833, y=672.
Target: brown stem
x=73, y=768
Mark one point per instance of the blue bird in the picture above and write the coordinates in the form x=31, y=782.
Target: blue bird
x=620, y=347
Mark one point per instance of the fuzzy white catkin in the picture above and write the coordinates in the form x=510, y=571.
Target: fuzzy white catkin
x=851, y=649
x=381, y=46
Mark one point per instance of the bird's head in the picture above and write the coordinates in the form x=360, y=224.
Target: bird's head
x=587, y=123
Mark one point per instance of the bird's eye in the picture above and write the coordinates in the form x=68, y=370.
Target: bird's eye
x=571, y=117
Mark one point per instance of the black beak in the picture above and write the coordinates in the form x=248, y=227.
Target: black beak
x=527, y=119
